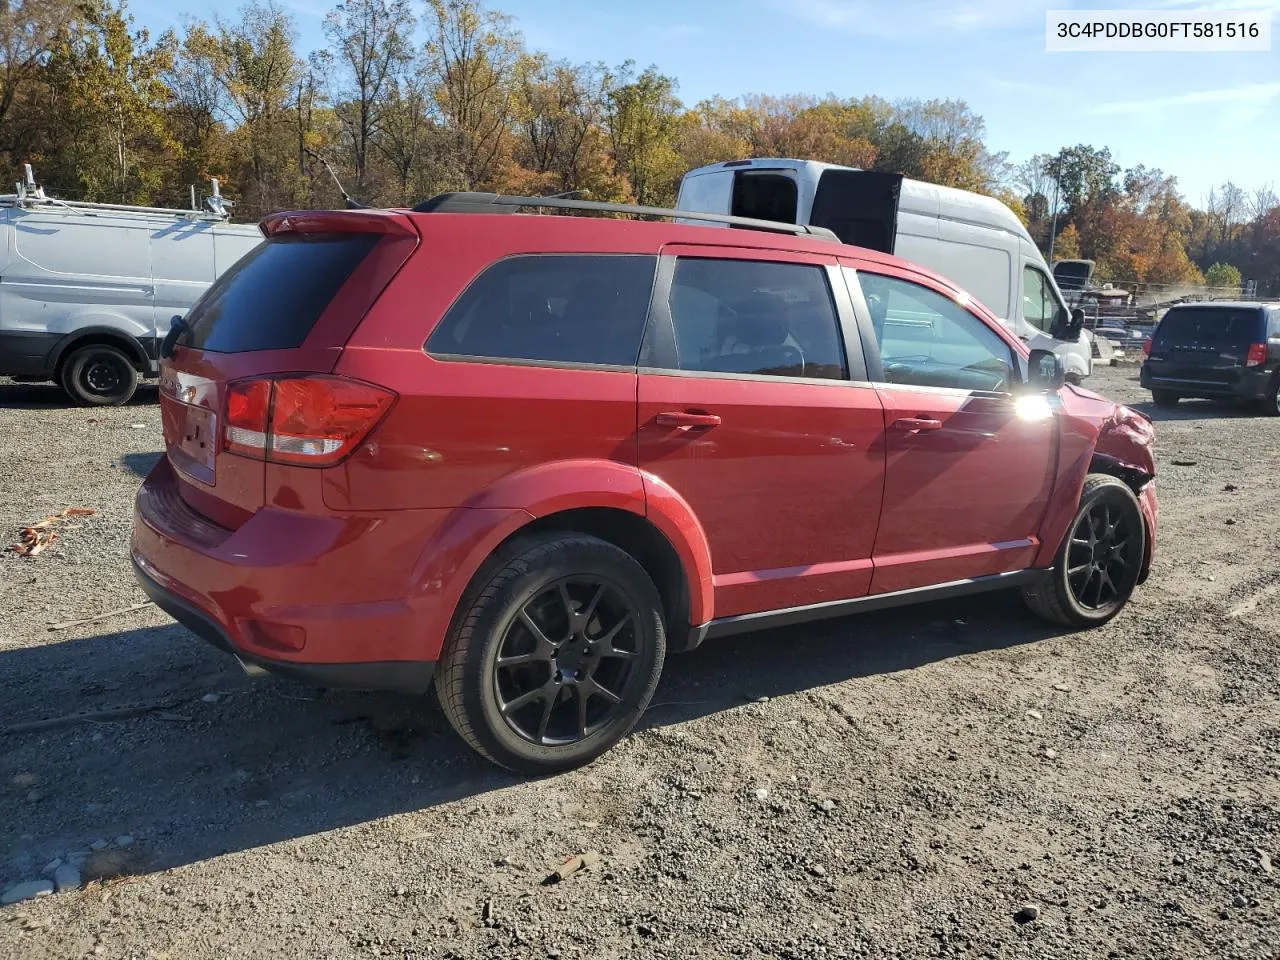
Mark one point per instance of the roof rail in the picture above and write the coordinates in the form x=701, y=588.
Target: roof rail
x=466, y=202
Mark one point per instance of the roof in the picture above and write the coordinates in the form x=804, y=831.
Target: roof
x=919, y=197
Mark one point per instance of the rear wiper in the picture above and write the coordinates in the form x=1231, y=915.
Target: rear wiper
x=177, y=327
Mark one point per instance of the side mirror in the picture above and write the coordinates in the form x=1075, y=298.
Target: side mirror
x=1076, y=324
x=1045, y=371
x=1067, y=325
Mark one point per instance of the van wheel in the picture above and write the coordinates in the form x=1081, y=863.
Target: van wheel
x=1100, y=559
x=1165, y=398
x=98, y=375
x=1271, y=402
x=554, y=657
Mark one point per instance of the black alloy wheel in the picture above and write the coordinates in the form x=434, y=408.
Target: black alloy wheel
x=554, y=652
x=1099, y=561
x=1103, y=554
x=566, y=661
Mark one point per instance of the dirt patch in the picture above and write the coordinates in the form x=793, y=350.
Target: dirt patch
x=904, y=783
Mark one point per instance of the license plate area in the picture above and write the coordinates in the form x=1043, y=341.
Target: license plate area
x=195, y=443
x=187, y=405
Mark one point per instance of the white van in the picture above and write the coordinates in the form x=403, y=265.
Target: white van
x=973, y=240
x=87, y=290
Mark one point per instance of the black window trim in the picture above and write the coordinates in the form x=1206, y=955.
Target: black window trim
x=658, y=350
x=871, y=346
x=445, y=357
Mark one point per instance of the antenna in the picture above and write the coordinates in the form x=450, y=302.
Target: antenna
x=346, y=197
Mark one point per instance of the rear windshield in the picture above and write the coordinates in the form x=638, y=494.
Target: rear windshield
x=1223, y=326
x=272, y=297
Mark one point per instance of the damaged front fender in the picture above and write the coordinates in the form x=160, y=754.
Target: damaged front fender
x=1126, y=449
x=1126, y=443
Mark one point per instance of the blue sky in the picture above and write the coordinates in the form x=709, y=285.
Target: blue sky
x=1203, y=117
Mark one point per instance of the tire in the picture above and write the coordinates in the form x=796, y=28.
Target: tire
x=554, y=705
x=1076, y=592
x=98, y=375
x=1271, y=402
x=1165, y=398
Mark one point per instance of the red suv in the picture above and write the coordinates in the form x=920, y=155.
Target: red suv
x=528, y=455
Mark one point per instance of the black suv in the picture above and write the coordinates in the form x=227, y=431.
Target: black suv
x=1223, y=349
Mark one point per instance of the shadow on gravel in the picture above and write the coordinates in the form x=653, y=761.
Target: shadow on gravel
x=20, y=396
x=225, y=764
x=140, y=464
x=1201, y=410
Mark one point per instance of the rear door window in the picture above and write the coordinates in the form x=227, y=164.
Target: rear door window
x=574, y=309
x=1222, y=327
x=754, y=317
x=272, y=298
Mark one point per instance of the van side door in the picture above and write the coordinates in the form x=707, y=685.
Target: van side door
x=68, y=271
x=182, y=269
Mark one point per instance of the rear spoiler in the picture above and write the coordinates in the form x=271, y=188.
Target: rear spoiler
x=337, y=221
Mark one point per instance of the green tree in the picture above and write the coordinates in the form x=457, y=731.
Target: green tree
x=105, y=87
x=642, y=116
x=1223, y=275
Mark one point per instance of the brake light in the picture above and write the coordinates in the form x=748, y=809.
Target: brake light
x=1146, y=347
x=1257, y=355
x=313, y=421
x=248, y=413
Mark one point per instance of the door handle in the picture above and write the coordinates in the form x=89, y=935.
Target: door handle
x=682, y=419
x=917, y=424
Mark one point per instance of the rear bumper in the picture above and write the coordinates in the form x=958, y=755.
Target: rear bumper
x=406, y=676
x=329, y=599
x=1250, y=385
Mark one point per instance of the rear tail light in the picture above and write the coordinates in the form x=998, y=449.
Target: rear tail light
x=1146, y=347
x=1257, y=355
x=313, y=421
x=248, y=415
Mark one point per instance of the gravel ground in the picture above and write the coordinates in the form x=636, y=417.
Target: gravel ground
x=900, y=784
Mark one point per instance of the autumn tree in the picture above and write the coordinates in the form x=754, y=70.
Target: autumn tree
x=371, y=44
x=104, y=82
x=258, y=71
x=28, y=32
x=472, y=56
x=642, y=113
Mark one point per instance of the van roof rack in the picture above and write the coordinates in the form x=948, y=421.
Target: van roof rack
x=29, y=195
x=467, y=202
